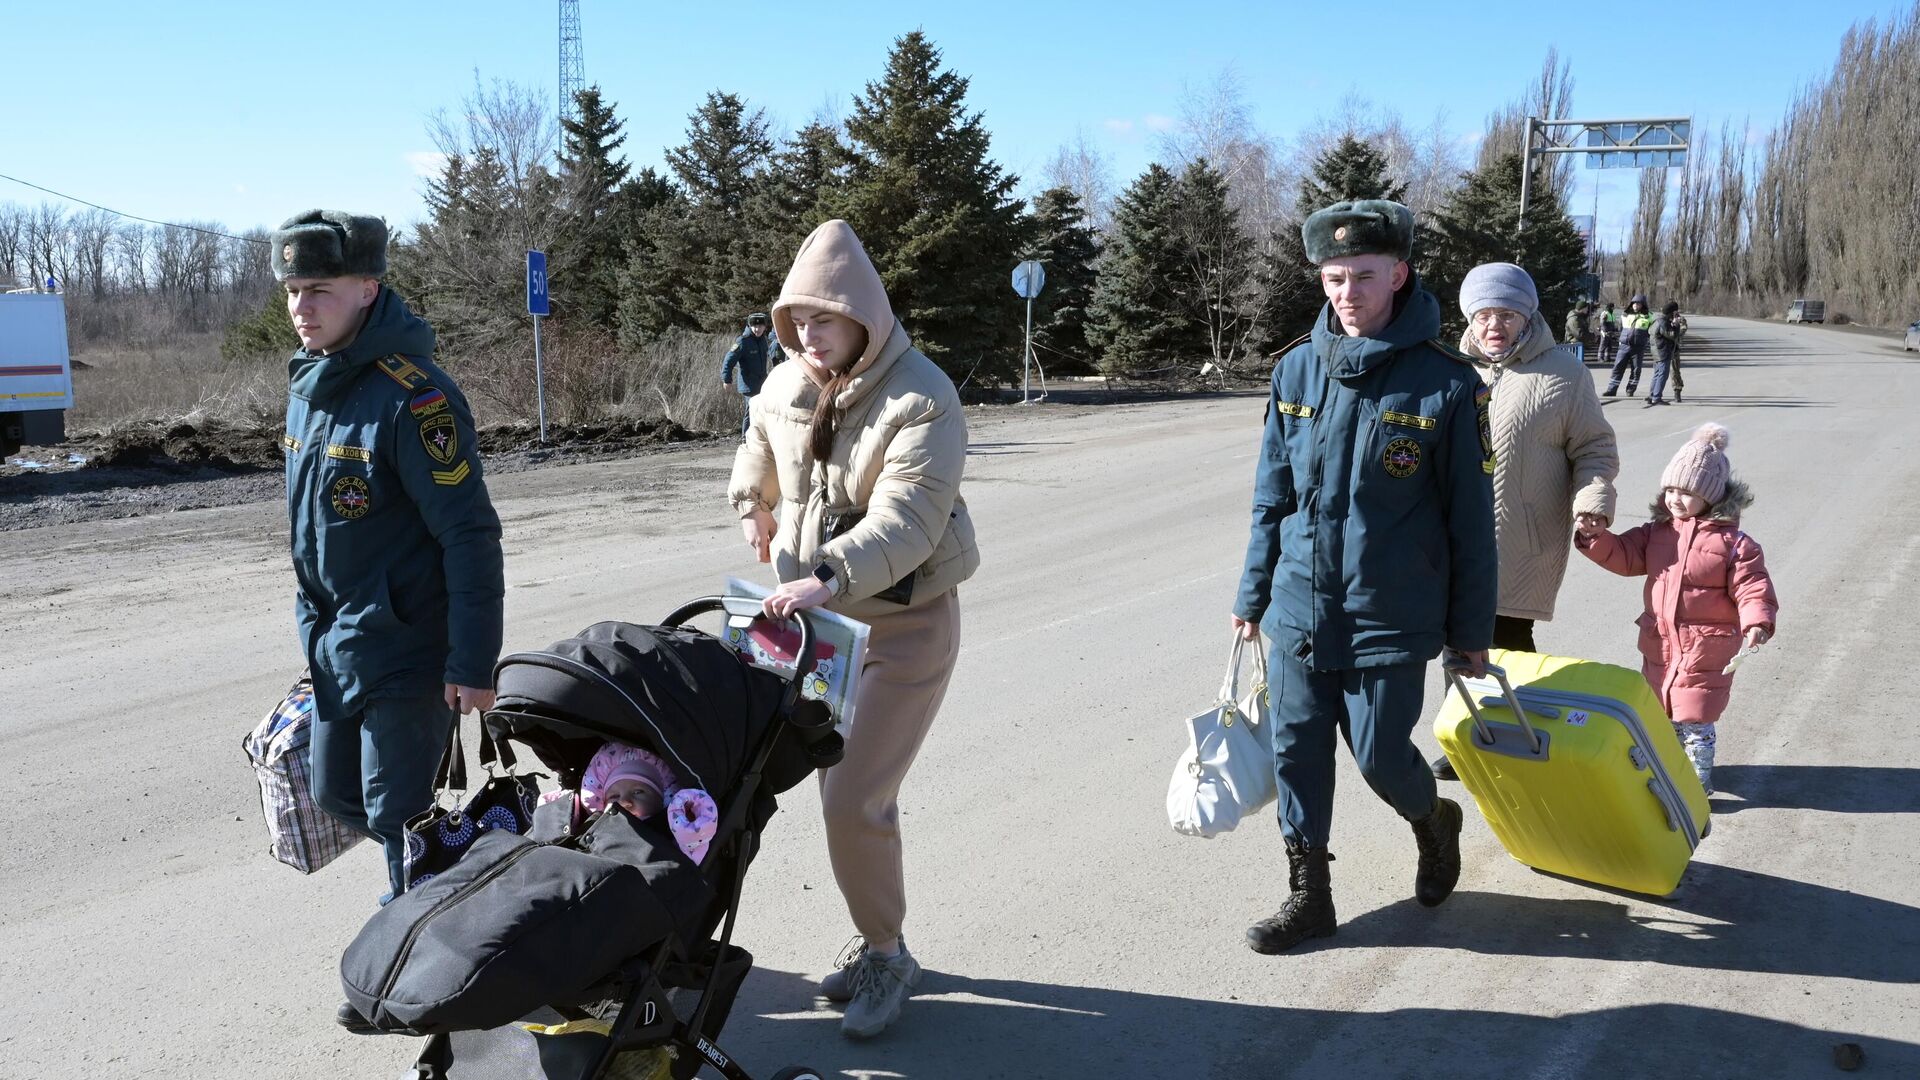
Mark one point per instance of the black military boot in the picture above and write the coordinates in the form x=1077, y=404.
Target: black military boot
x=1438, y=835
x=1308, y=910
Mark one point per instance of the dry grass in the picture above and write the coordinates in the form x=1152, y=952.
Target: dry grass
x=182, y=378
x=588, y=379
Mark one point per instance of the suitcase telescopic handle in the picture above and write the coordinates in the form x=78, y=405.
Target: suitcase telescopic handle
x=1453, y=668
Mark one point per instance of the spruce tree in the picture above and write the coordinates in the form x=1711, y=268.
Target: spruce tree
x=935, y=213
x=788, y=202
x=1353, y=169
x=1479, y=223
x=1064, y=243
x=655, y=254
x=1216, y=286
x=680, y=270
x=1138, y=322
x=587, y=253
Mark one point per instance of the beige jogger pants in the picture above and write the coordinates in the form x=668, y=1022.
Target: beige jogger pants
x=910, y=657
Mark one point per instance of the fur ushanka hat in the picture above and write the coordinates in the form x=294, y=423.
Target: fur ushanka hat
x=329, y=244
x=1366, y=227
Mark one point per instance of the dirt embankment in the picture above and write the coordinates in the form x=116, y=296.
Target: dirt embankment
x=134, y=469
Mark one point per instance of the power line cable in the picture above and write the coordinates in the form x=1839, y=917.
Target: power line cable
x=131, y=217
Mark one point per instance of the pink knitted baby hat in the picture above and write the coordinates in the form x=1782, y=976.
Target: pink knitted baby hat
x=1701, y=466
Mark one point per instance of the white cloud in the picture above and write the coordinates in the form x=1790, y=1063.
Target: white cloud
x=426, y=162
x=1118, y=126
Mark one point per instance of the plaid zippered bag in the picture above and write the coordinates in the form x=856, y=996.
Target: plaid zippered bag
x=300, y=834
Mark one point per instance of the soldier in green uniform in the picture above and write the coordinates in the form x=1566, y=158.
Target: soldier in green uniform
x=1372, y=549
x=396, y=546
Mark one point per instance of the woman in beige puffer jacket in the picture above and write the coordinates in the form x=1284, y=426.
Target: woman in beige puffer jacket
x=860, y=443
x=1555, y=457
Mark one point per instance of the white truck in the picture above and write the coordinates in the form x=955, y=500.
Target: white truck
x=36, y=376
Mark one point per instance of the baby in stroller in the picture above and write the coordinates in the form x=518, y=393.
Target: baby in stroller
x=602, y=932
x=643, y=785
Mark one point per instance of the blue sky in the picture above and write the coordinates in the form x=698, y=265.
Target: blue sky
x=245, y=113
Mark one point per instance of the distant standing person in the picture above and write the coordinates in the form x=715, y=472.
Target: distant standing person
x=747, y=363
x=1371, y=550
x=1635, y=330
x=1609, y=332
x=1554, y=451
x=1666, y=346
x=396, y=546
x=1579, y=322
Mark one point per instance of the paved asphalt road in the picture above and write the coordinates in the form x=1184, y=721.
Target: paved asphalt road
x=1067, y=931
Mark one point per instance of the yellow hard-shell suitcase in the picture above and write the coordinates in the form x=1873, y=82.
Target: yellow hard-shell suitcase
x=1588, y=781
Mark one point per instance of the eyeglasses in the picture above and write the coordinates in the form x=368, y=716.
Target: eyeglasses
x=1489, y=316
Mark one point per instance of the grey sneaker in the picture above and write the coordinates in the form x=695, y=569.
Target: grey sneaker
x=838, y=985
x=879, y=986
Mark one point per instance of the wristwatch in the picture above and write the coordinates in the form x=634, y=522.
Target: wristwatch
x=823, y=574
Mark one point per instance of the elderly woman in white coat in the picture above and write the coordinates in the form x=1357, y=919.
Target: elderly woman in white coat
x=1554, y=451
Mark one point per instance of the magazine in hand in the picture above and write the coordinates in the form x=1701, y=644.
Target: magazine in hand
x=839, y=648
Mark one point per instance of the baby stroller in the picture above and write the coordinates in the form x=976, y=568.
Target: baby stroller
x=741, y=733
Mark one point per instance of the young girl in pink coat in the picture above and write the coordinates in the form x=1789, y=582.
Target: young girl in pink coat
x=1707, y=593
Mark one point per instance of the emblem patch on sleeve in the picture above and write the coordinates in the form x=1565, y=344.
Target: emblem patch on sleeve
x=1401, y=458
x=441, y=436
x=1482, y=405
x=428, y=402
x=351, y=497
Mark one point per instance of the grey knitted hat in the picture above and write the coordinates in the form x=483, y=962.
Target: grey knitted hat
x=328, y=244
x=1498, y=285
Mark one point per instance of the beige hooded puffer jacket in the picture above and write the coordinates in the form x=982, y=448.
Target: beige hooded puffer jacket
x=898, y=453
x=1555, y=457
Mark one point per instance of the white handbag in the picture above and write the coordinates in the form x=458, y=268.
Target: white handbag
x=1226, y=771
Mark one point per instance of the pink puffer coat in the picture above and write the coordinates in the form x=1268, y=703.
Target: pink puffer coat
x=1707, y=585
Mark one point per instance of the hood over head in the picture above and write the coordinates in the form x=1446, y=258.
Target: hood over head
x=1416, y=318
x=391, y=327
x=832, y=273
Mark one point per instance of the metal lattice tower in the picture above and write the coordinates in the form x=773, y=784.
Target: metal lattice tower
x=573, y=78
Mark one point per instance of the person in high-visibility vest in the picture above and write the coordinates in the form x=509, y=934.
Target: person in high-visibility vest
x=1635, y=331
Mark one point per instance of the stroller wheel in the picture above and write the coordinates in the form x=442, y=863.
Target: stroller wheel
x=797, y=1072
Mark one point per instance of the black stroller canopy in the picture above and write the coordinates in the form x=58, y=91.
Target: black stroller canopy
x=676, y=691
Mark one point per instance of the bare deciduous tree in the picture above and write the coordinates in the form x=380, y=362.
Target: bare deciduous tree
x=1641, y=270
x=1082, y=169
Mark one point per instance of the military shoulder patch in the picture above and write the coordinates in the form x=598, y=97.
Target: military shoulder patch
x=427, y=402
x=401, y=370
x=452, y=477
x=1483, y=409
x=441, y=437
